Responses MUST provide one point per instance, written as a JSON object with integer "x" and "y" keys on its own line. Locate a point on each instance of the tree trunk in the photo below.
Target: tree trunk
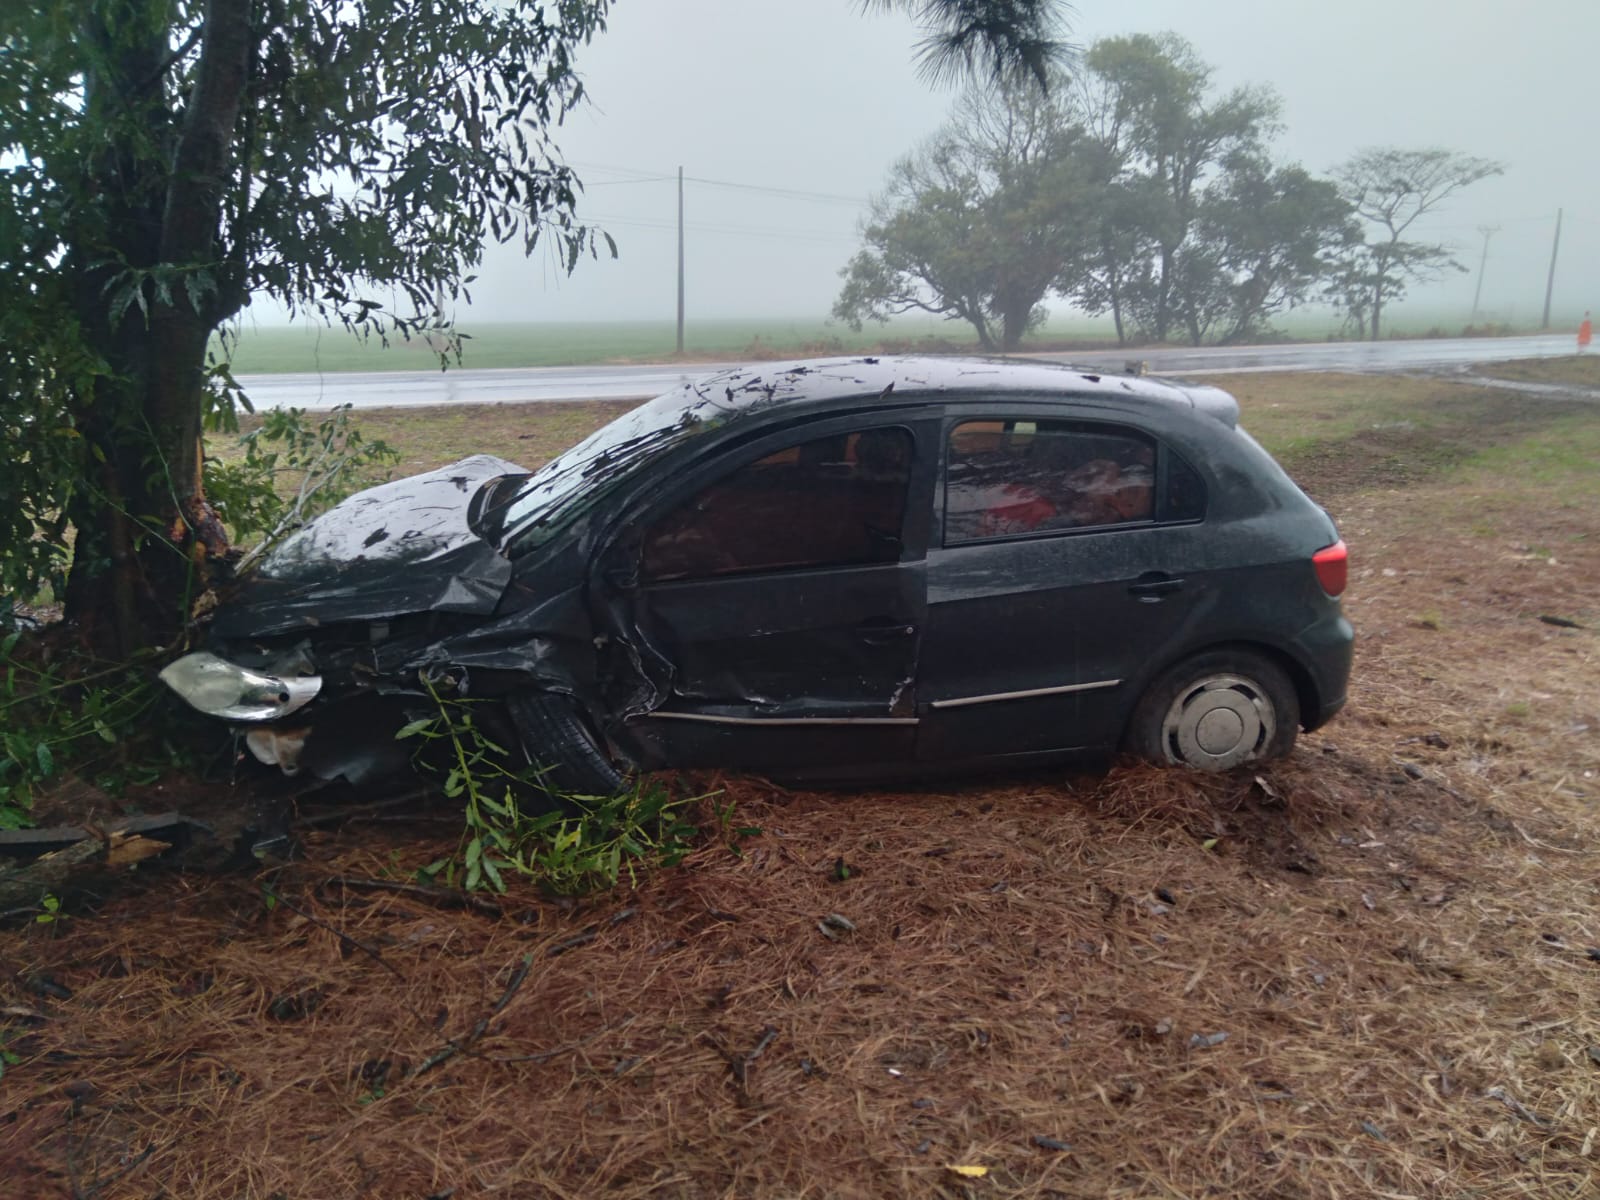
{"x": 1163, "y": 294}
{"x": 1013, "y": 325}
{"x": 144, "y": 531}
{"x": 981, "y": 325}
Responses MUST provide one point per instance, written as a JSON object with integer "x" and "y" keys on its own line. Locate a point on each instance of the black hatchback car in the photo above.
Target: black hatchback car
{"x": 834, "y": 569}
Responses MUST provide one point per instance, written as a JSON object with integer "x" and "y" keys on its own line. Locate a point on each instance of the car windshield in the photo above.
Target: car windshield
{"x": 539, "y": 505}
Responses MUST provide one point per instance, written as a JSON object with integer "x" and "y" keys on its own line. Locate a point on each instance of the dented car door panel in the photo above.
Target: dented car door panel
{"x": 782, "y": 586}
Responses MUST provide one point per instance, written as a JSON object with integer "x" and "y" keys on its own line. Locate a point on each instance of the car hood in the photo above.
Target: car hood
{"x": 402, "y": 547}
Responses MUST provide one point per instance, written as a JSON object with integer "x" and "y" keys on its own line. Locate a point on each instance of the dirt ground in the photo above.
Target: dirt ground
{"x": 1368, "y": 971}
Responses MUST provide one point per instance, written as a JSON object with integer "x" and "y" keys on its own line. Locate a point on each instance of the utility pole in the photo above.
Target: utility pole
{"x": 1488, "y": 232}
{"x": 680, "y": 260}
{"x": 1550, "y": 283}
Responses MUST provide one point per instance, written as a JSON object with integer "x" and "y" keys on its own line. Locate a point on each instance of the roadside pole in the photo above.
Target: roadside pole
{"x": 1488, "y": 232}
{"x": 1550, "y": 282}
{"x": 680, "y": 261}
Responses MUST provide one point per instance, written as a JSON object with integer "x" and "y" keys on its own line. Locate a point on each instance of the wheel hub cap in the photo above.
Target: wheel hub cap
{"x": 1218, "y": 723}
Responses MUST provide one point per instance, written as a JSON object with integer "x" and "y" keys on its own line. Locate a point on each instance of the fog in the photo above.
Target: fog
{"x": 804, "y": 106}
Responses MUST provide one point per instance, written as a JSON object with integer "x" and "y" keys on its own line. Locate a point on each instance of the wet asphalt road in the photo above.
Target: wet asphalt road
{"x": 517, "y": 385}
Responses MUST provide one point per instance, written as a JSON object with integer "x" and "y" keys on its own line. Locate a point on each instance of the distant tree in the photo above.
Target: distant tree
{"x": 1390, "y": 189}
{"x": 1145, "y": 99}
{"x": 1264, "y": 240}
{"x": 1130, "y": 189}
{"x": 997, "y": 39}
{"x": 981, "y": 223}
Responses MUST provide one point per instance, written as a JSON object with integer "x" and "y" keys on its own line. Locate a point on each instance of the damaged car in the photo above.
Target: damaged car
{"x": 830, "y": 570}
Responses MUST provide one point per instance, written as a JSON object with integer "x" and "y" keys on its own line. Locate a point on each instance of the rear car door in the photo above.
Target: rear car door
{"x": 783, "y": 586}
{"x": 1066, "y": 560}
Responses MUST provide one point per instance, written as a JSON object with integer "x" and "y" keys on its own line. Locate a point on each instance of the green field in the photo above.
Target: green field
{"x": 274, "y": 350}
{"x": 270, "y": 350}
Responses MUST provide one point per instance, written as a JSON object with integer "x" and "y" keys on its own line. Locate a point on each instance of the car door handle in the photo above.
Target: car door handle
{"x": 878, "y": 633}
{"x": 1152, "y": 587}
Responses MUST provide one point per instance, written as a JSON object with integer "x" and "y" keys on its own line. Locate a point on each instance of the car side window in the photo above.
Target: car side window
{"x": 833, "y": 501}
{"x": 1008, "y": 477}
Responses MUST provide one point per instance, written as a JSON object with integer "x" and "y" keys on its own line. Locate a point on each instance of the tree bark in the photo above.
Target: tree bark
{"x": 145, "y": 533}
{"x": 1013, "y": 324}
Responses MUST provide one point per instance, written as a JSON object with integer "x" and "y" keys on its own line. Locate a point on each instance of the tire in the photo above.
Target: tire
{"x": 557, "y": 741}
{"x": 1216, "y": 711}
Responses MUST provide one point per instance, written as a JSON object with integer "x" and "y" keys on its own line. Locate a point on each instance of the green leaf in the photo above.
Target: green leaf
{"x": 415, "y": 727}
{"x": 47, "y": 760}
{"x": 492, "y": 870}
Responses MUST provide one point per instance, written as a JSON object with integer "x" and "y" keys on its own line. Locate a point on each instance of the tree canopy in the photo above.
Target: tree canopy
{"x": 1132, "y": 188}
{"x": 169, "y": 159}
{"x": 982, "y": 221}
{"x": 1390, "y": 188}
{"x": 999, "y": 40}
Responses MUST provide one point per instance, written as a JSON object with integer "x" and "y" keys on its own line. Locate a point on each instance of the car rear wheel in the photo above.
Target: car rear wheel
{"x": 1216, "y": 711}
{"x": 559, "y": 744}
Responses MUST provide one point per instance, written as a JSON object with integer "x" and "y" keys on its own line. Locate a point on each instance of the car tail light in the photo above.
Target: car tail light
{"x": 1333, "y": 567}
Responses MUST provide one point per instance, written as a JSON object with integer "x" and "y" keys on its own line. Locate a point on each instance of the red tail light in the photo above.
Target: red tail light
{"x": 1333, "y": 567}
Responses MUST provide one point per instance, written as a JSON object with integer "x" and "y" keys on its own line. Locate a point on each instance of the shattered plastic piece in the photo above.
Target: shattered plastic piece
{"x": 1050, "y": 1143}
{"x": 967, "y": 1172}
{"x": 1204, "y": 1040}
{"x": 842, "y": 923}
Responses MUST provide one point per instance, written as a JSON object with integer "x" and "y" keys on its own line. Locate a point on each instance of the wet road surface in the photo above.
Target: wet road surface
{"x": 519, "y": 385}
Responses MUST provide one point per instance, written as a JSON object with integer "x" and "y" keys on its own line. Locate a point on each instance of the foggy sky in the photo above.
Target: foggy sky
{"x": 812, "y": 96}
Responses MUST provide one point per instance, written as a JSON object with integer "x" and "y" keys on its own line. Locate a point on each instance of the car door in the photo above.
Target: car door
{"x": 1066, "y": 559}
{"x": 782, "y": 586}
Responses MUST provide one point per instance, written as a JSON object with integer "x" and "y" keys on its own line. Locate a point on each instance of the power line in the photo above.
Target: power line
{"x": 667, "y": 225}
{"x": 589, "y": 183}
{"x": 641, "y": 175}
{"x": 786, "y": 193}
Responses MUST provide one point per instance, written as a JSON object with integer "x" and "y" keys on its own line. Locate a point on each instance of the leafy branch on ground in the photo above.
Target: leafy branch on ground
{"x": 67, "y": 711}
{"x": 571, "y": 844}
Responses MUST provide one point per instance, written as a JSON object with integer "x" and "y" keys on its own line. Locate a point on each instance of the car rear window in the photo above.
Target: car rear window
{"x": 1010, "y": 477}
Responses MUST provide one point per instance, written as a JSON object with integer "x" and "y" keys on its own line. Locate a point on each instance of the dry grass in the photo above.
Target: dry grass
{"x": 1392, "y": 928}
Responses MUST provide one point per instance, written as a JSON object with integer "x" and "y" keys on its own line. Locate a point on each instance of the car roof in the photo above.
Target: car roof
{"x": 746, "y": 390}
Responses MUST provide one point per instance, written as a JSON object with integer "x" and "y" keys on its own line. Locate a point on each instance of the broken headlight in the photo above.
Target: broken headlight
{"x": 220, "y": 688}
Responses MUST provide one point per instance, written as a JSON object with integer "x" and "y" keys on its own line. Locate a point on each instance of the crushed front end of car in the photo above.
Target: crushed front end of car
{"x": 313, "y": 658}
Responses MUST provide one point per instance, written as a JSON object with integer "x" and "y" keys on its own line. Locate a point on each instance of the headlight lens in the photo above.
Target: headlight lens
{"x": 220, "y": 688}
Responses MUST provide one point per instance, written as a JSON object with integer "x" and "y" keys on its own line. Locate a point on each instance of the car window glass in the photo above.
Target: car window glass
{"x": 838, "y": 500}
{"x": 1009, "y": 477}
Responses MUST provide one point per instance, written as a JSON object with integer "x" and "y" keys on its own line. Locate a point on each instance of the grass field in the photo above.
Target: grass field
{"x": 266, "y": 349}
{"x": 1368, "y": 971}
{"x": 269, "y": 350}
